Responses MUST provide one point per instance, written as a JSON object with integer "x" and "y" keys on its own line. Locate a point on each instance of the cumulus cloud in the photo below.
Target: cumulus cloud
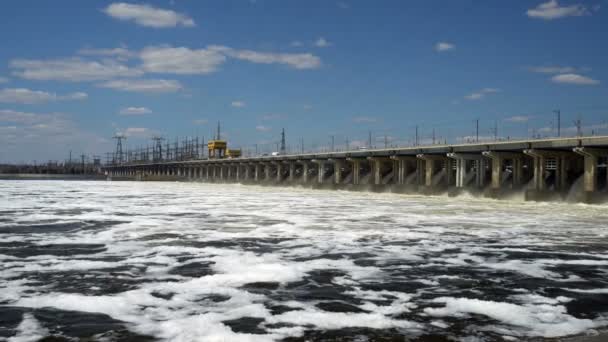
{"x": 551, "y": 10}
{"x": 120, "y": 52}
{"x": 27, "y": 96}
{"x": 141, "y": 132}
{"x": 143, "y": 85}
{"x": 262, "y": 128}
{"x": 134, "y": 111}
{"x": 148, "y": 16}
{"x": 237, "y": 104}
{"x": 444, "y": 46}
{"x": 293, "y": 60}
{"x": 70, "y": 69}
{"x": 181, "y": 60}
{"x": 44, "y": 136}
{"x": 480, "y": 94}
{"x": 27, "y": 124}
{"x": 154, "y": 59}
{"x": 322, "y": 42}
{"x": 574, "y": 79}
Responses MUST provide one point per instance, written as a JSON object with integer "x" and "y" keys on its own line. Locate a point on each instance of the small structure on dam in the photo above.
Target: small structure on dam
{"x": 558, "y": 168}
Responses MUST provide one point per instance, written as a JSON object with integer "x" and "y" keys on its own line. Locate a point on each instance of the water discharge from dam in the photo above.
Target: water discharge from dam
{"x": 190, "y": 261}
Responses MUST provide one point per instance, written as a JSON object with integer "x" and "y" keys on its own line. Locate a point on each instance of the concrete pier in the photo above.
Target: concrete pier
{"x": 543, "y": 169}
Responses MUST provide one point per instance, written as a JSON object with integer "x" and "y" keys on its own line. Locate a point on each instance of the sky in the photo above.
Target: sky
{"x": 73, "y": 73}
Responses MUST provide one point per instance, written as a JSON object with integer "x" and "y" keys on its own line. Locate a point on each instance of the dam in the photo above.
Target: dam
{"x": 573, "y": 168}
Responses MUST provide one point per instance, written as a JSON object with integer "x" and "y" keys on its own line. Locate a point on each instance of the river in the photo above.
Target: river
{"x": 140, "y": 261}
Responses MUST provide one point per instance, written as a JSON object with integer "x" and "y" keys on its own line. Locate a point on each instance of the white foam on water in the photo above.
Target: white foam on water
{"x": 419, "y": 247}
{"x": 600, "y": 291}
{"x": 29, "y": 330}
{"x": 538, "y": 319}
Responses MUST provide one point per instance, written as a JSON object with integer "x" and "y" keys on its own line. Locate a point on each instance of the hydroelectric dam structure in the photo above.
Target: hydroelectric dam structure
{"x": 573, "y": 168}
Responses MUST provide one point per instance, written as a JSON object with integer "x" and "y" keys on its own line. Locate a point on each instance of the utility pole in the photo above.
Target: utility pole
{"x": 559, "y": 121}
{"x": 433, "y": 136}
{"x": 369, "y": 142}
{"x": 283, "y": 141}
{"x": 218, "y": 131}
{"x": 203, "y": 146}
{"x": 477, "y": 130}
{"x": 416, "y": 140}
{"x": 578, "y": 124}
{"x": 495, "y": 130}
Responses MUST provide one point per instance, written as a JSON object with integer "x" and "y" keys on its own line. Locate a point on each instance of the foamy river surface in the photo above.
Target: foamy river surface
{"x": 141, "y": 261}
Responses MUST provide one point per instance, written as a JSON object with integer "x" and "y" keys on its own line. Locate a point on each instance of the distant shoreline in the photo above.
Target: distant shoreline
{"x": 40, "y": 176}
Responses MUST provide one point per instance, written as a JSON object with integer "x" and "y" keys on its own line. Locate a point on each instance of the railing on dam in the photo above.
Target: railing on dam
{"x": 574, "y": 168}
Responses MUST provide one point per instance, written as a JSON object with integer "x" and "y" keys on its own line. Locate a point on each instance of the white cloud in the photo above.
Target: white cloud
{"x": 143, "y": 85}
{"x": 322, "y": 42}
{"x": 552, "y": 10}
{"x": 262, "y": 128}
{"x": 44, "y": 136}
{"x": 444, "y": 46}
{"x": 181, "y": 60}
{"x": 364, "y": 119}
{"x": 8, "y": 115}
{"x": 552, "y": 69}
{"x": 296, "y": 43}
{"x": 134, "y": 111}
{"x": 155, "y": 59}
{"x": 137, "y": 132}
{"x": 3, "y": 80}
{"x": 294, "y": 60}
{"x": 70, "y": 69}
{"x": 145, "y": 15}
{"x": 27, "y": 96}
{"x": 518, "y": 118}
{"x": 478, "y": 95}
{"x": 574, "y": 79}
{"x": 237, "y": 104}
{"x": 121, "y": 53}
{"x": 474, "y": 96}
{"x": 29, "y": 124}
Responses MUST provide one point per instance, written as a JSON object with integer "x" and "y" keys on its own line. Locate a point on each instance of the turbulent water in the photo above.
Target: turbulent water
{"x": 194, "y": 262}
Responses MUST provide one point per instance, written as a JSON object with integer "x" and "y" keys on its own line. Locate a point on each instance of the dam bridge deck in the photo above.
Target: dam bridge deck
{"x": 573, "y": 167}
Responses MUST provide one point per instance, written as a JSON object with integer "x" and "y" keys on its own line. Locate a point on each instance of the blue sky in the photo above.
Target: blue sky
{"x": 74, "y": 73}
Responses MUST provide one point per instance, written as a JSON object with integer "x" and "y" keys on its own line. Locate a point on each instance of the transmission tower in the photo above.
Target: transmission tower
{"x": 157, "y": 152}
{"x": 118, "y": 156}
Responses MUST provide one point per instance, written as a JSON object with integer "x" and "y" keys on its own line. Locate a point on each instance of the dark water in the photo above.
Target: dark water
{"x": 102, "y": 261}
